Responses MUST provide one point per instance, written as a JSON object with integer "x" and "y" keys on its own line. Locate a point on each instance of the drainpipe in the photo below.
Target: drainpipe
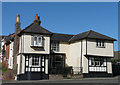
{"x": 21, "y": 55}
{"x": 81, "y": 58}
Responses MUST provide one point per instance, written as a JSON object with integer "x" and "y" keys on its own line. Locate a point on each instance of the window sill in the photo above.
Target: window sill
{"x": 54, "y": 51}
{"x": 36, "y": 66}
{"x": 100, "y": 47}
{"x": 36, "y": 46}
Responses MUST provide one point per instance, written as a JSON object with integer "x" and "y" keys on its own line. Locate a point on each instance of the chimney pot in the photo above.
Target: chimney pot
{"x": 18, "y": 18}
{"x": 36, "y": 17}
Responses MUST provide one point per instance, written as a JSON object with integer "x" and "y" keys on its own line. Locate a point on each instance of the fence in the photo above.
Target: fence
{"x": 66, "y": 70}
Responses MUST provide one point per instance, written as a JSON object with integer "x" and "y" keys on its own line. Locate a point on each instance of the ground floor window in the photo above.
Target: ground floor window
{"x": 97, "y": 64}
{"x": 35, "y": 63}
{"x": 57, "y": 63}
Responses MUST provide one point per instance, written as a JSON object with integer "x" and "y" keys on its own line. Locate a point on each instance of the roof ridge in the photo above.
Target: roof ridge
{"x": 71, "y": 38}
{"x": 34, "y": 24}
{"x": 78, "y": 34}
{"x": 26, "y": 27}
{"x": 64, "y": 34}
{"x": 88, "y": 33}
{"x": 44, "y": 28}
{"x": 103, "y": 35}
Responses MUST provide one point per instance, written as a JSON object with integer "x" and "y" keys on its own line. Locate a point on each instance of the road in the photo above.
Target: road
{"x": 85, "y": 81}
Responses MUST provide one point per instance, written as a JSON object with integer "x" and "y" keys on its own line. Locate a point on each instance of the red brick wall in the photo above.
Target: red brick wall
{"x": 7, "y": 56}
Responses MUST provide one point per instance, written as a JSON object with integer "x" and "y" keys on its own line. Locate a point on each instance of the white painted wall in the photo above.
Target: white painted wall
{"x": 109, "y": 65}
{"x": 10, "y": 62}
{"x": 46, "y": 66}
{"x": 74, "y": 56}
{"x": 26, "y": 45}
{"x": 63, "y": 47}
{"x": 84, "y": 58}
{"x": 93, "y": 50}
{"x": 18, "y": 64}
{"x": 2, "y": 44}
{"x": 21, "y": 66}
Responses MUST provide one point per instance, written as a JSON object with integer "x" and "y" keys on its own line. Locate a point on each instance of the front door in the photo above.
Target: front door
{"x": 35, "y": 66}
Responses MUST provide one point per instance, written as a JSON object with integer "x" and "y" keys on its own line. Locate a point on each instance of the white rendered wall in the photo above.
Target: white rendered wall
{"x": 93, "y": 50}
{"x": 84, "y": 58}
{"x": 10, "y": 62}
{"x": 75, "y": 56}
{"x": 46, "y": 66}
{"x": 109, "y": 65}
{"x": 26, "y": 45}
{"x": 21, "y": 64}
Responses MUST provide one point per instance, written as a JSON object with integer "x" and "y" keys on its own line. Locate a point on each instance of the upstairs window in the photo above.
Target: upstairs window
{"x": 100, "y": 44}
{"x": 55, "y": 46}
{"x": 37, "y": 41}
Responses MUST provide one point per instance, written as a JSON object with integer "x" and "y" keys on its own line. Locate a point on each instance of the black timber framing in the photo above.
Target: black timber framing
{"x": 32, "y": 75}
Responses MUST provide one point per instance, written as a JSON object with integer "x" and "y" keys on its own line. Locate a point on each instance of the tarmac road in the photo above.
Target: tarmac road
{"x": 85, "y": 81}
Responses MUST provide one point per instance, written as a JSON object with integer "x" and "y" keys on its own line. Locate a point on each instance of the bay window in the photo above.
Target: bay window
{"x": 97, "y": 64}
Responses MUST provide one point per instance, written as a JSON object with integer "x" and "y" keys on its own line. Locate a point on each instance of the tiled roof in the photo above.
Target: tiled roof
{"x": 91, "y": 35}
{"x": 61, "y": 37}
{"x": 35, "y": 28}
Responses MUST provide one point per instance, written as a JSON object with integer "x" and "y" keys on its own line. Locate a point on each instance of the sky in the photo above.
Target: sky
{"x": 64, "y": 17}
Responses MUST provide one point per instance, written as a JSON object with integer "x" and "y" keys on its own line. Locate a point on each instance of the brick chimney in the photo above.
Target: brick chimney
{"x": 37, "y": 19}
{"x": 16, "y": 43}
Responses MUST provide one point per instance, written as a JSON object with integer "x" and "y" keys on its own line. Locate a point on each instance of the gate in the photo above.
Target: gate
{"x": 116, "y": 69}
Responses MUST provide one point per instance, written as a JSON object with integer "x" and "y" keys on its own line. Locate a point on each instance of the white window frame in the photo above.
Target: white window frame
{"x": 38, "y": 42}
{"x": 55, "y": 46}
{"x": 30, "y": 61}
{"x": 99, "y": 67}
{"x": 100, "y": 44}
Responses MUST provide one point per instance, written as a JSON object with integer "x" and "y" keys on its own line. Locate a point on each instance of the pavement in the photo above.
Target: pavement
{"x": 84, "y": 81}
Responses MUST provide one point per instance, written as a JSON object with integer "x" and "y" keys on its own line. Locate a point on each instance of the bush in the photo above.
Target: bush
{"x": 114, "y": 61}
{"x": 66, "y": 71}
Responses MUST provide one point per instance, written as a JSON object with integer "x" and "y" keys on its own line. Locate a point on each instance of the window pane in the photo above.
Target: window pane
{"x": 35, "y": 40}
{"x": 100, "y": 43}
{"x": 40, "y": 41}
{"x": 96, "y": 43}
{"x": 98, "y": 63}
{"x": 103, "y": 44}
{"x": 55, "y": 46}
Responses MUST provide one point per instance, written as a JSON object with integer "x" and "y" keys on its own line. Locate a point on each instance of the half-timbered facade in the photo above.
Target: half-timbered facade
{"x": 42, "y": 52}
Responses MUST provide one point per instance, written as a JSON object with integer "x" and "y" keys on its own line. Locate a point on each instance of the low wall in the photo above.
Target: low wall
{"x": 60, "y": 76}
{"x": 55, "y": 76}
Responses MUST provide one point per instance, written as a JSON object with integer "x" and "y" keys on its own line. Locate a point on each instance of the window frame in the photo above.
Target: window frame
{"x": 93, "y": 60}
{"x": 31, "y": 61}
{"x": 100, "y": 44}
{"x": 39, "y": 42}
{"x": 55, "y": 46}
{"x": 57, "y": 63}
{"x": 97, "y": 68}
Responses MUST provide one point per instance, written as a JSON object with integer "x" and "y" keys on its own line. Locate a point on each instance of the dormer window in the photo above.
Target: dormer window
{"x": 100, "y": 44}
{"x": 37, "y": 41}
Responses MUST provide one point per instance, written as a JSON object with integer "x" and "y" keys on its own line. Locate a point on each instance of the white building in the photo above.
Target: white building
{"x": 42, "y": 52}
